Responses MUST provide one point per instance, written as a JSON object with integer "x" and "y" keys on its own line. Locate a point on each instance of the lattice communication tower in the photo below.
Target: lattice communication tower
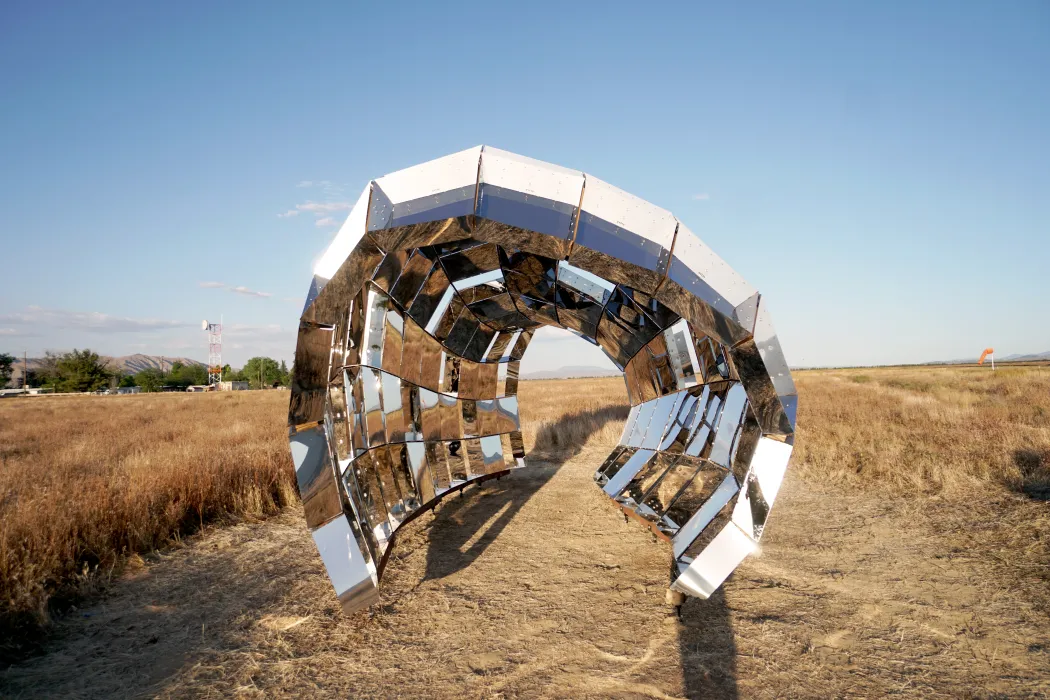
{"x": 214, "y": 351}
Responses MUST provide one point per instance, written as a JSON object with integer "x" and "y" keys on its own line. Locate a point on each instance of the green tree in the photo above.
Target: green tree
{"x": 82, "y": 370}
{"x": 6, "y": 363}
{"x": 186, "y": 375}
{"x": 45, "y": 374}
{"x": 150, "y": 379}
{"x": 199, "y": 373}
{"x": 261, "y": 372}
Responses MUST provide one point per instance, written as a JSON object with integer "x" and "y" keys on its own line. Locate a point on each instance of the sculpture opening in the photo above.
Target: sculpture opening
{"x": 406, "y": 368}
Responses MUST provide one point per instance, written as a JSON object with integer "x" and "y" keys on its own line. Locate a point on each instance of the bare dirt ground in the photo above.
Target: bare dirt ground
{"x": 535, "y": 586}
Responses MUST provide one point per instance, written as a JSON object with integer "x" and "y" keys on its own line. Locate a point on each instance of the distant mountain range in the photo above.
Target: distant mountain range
{"x": 1034, "y": 357}
{"x": 132, "y": 364}
{"x": 1026, "y": 358}
{"x": 125, "y": 364}
{"x": 572, "y": 371}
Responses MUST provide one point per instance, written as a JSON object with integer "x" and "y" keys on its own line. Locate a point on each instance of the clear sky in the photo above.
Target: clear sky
{"x": 880, "y": 171}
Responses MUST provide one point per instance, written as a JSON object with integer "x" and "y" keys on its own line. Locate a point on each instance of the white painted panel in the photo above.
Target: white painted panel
{"x": 350, "y": 234}
{"x": 439, "y": 175}
{"x": 703, "y": 261}
{"x": 531, "y": 176}
{"x": 630, "y": 213}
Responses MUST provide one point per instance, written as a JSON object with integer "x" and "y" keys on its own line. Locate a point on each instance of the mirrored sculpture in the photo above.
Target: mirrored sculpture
{"x": 406, "y": 368}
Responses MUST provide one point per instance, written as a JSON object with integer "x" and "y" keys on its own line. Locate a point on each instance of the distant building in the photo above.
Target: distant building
{"x": 233, "y": 386}
{"x": 32, "y": 391}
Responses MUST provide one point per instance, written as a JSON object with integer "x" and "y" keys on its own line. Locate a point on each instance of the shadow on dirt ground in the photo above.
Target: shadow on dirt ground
{"x": 1035, "y": 473}
{"x": 461, "y": 519}
{"x": 705, "y": 635}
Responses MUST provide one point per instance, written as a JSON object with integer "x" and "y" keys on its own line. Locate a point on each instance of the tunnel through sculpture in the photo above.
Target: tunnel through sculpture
{"x": 406, "y": 367}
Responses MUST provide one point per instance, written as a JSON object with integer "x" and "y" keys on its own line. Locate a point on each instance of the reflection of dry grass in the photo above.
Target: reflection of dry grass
{"x": 927, "y": 430}
{"x": 86, "y": 481}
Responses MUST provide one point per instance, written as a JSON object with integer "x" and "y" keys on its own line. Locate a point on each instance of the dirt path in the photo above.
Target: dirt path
{"x": 535, "y": 586}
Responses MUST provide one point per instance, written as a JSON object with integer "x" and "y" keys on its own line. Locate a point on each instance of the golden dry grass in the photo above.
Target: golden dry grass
{"x": 904, "y": 569}
{"x": 561, "y": 415}
{"x": 956, "y": 431}
{"x": 87, "y": 481}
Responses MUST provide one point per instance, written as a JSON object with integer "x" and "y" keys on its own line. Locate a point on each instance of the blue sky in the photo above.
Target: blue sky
{"x": 880, "y": 172}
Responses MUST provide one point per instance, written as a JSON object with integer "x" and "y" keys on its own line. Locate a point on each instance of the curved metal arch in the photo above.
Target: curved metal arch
{"x": 406, "y": 367}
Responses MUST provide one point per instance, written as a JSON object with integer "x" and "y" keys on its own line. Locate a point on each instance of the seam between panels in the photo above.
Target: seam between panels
{"x": 477, "y": 186}
{"x": 579, "y": 215}
{"x": 670, "y": 259}
{"x": 751, "y": 333}
{"x": 368, "y": 207}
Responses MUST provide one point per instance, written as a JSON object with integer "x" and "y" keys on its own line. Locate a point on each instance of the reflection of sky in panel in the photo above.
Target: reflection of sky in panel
{"x": 393, "y": 317}
{"x": 686, "y": 410}
{"x": 341, "y": 556}
{"x": 679, "y": 350}
{"x": 370, "y": 385}
{"x": 415, "y": 455}
{"x": 510, "y": 347}
{"x": 492, "y": 342}
{"x": 391, "y": 392}
{"x": 634, "y": 465}
{"x": 442, "y": 306}
{"x": 663, "y": 413}
{"x": 374, "y": 322}
{"x": 482, "y": 278}
{"x": 731, "y": 412}
{"x": 508, "y": 405}
{"x": 427, "y": 398}
{"x": 581, "y": 280}
{"x": 641, "y": 424}
{"x": 707, "y": 512}
{"x": 491, "y": 449}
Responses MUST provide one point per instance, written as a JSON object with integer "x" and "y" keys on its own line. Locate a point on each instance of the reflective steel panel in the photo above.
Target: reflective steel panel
{"x": 420, "y": 310}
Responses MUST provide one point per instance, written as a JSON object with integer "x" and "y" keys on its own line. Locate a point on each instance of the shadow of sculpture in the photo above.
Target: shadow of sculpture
{"x": 705, "y": 640}
{"x": 458, "y": 519}
{"x": 707, "y": 648}
{"x": 1035, "y": 473}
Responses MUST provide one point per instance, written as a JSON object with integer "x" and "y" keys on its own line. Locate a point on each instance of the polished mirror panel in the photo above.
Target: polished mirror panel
{"x": 419, "y": 313}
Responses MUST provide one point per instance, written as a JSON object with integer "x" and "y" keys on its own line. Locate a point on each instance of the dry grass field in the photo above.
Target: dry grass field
{"x": 86, "y": 482}
{"x": 909, "y": 554}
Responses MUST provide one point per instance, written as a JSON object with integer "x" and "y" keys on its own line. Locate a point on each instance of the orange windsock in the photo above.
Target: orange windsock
{"x": 986, "y": 353}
